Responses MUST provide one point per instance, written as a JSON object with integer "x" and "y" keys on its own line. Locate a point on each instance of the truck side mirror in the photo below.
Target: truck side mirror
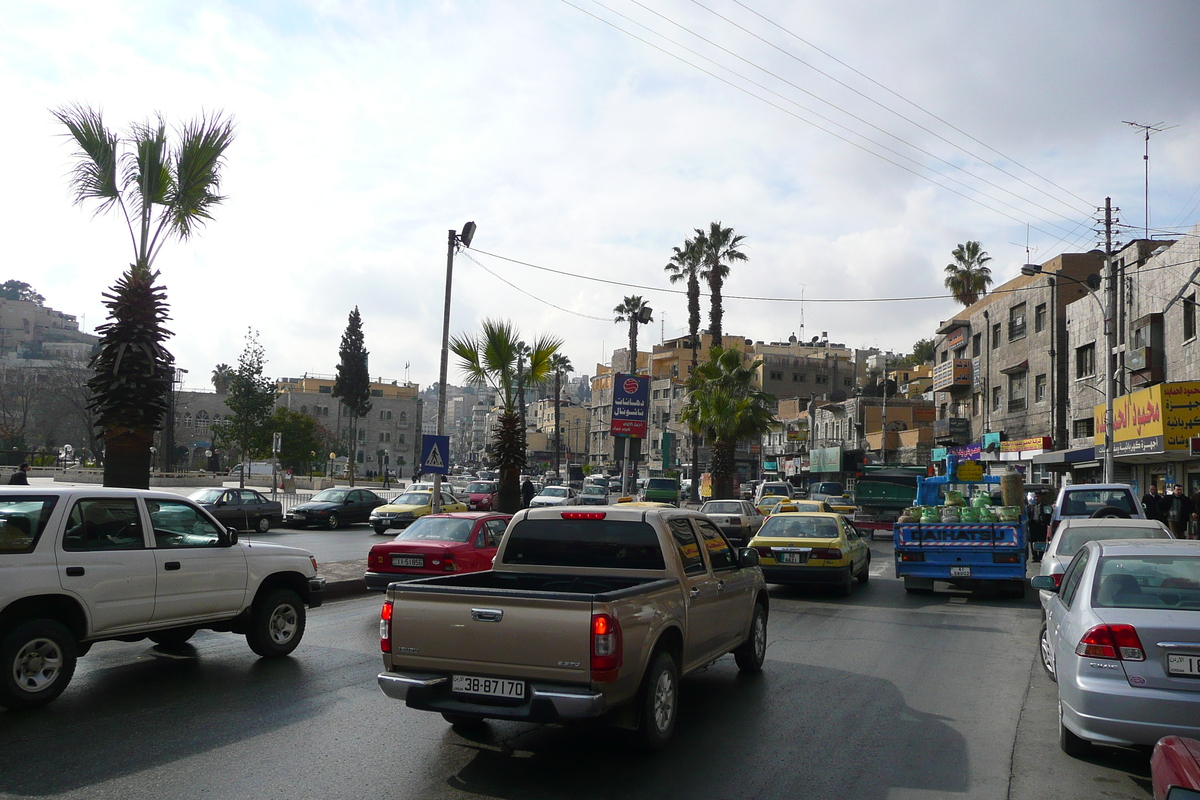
{"x": 231, "y": 536}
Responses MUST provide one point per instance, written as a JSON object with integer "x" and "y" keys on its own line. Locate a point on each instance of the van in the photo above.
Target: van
{"x": 773, "y": 488}
{"x": 257, "y": 469}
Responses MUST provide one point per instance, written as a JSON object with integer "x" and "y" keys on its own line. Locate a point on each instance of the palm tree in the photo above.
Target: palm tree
{"x": 163, "y": 191}
{"x": 724, "y": 406}
{"x": 719, "y": 247}
{"x": 685, "y": 266}
{"x": 967, "y": 278}
{"x": 633, "y": 309}
{"x": 490, "y": 359}
{"x": 561, "y": 366}
{"x": 221, "y": 375}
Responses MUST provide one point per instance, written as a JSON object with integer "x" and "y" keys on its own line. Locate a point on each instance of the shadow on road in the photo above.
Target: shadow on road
{"x": 738, "y": 735}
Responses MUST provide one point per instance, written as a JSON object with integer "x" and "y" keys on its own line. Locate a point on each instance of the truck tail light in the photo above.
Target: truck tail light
{"x": 827, "y": 553}
{"x": 606, "y": 648}
{"x": 1119, "y": 642}
{"x": 1006, "y": 558}
{"x": 912, "y": 556}
{"x": 584, "y": 514}
{"x": 385, "y": 627}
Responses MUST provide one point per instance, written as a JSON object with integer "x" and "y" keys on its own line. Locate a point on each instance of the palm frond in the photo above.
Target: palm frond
{"x": 197, "y": 165}
{"x": 94, "y": 176}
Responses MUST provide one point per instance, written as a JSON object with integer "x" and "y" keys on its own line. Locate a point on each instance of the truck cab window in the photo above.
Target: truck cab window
{"x": 685, "y": 543}
{"x": 720, "y": 554}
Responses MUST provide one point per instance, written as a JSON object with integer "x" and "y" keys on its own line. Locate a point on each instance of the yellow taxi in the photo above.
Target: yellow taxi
{"x": 842, "y": 505}
{"x": 410, "y": 506}
{"x": 807, "y": 547}
{"x": 806, "y": 506}
{"x": 766, "y": 504}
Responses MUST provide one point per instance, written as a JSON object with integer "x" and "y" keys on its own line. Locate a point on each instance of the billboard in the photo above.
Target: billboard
{"x": 631, "y": 403}
{"x": 1153, "y": 420}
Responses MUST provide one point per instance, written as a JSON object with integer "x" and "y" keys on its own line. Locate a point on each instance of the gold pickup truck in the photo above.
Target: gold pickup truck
{"x": 587, "y": 613}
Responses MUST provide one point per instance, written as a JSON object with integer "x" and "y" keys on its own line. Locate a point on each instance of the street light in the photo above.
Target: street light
{"x": 453, "y": 241}
{"x": 1092, "y": 285}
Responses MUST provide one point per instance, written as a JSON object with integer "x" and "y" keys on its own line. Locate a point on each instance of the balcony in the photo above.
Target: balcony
{"x": 954, "y": 373}
{"x": 1016, "y": 404}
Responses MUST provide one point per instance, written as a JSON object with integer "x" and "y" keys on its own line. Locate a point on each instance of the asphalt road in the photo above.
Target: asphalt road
{"x": 882, "y": 695}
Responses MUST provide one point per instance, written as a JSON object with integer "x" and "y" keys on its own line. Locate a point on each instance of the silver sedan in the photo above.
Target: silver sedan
{"x": 1071, "y": 534}
{"x": 739, "y": 520}
{"x": 1122, "y": 638}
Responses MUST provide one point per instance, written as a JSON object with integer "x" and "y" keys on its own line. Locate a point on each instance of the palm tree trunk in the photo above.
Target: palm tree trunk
{"x": 723, "y": 463}
{"x": 127, "y": 457}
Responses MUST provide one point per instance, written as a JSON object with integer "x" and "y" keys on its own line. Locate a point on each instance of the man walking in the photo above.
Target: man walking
{"x": 1178, "y": 509}
{"x": 1152, "y": 502}
{"x": 20, "y": 477}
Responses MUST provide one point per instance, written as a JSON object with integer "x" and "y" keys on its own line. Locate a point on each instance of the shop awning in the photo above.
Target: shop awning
{"x": 1065, "y": 459}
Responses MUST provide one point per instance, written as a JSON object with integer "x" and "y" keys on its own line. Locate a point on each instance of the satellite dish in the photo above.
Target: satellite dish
{"x": 815, "y": 339}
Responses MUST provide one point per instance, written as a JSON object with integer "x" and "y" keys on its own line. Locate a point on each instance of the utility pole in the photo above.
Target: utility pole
{"x": 1110, "y": 341}
{"x": 452, "y": 242}
{"x": 883, "y": 416}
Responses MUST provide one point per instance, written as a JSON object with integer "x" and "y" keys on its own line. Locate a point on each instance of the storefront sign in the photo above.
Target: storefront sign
{"x": 1156, "y": 419}
{"x": 631, "y": 399}
{"x": 825, "y": 459}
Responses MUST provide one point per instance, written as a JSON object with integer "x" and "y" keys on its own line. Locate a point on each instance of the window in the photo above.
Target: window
{"x": 974, "y": 406}
{"x": 303, "y": 409}
{"x": 325, "y": 389}
{"x": 1017, "y": 384}
{"x": 995, "y": 398}
{"x": 1016, "y": 322}
{"x": 685, "y": 543}
{"x": 404, "y": 416}
{"x": 945, "y": 356}
{"x": 776, "y": 376}
{"x": 822, "y": 379}
{"x": 1189, "y": 316}
{"x": 1083, "y": 428}
{"x": 201, "y": 421}
{"x": 1072, "y": 578}
{"x": 495, "y": 531}
{"x": 976, "y": 344}
{"x": 720, "y": 554}
{"x": 1085, "y": 360}
{"x": 180, "y": 525}
{"x": 995, "y": 335}
{"x": 377, "y": 393}
{"x": 362, "y": 435}
{"x": 795, "y": 377}
{"x": 1039, "y": 389}
{"x": 961, "y": 352}
{"x": 801, "y": 377}
{"x": 847, "y": 382}
{"x": 1039, "y": 318}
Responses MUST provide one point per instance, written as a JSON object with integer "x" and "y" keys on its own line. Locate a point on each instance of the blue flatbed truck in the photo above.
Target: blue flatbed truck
{"x": 967, "y": 555}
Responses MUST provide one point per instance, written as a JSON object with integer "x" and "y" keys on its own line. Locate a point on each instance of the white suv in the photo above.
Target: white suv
{"x": 86, "y": 564}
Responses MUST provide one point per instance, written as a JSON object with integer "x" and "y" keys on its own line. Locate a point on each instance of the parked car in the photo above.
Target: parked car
{"x": 1072, "y": 534}
{"x": 410, "y": 506}
{"x": 1175, "y": 769}
{"x": 89, "y": 564}
{"x": 823, "y": 489}
{"x": 244, "y": 509}
{"x": 435, "y": 544}
{"x": 1103, "y": 500}
{"x": 773, "y": 489}
{"x": 593, "y": 495}
{"x": 614, "y": 485}
{"x": 333, "y": 508}
{"x": 739, "y": 520}
{"x": 812, "y": 548}
{"x": 483, "y": 495}
{"x": 1122, "y": 639}
{"x": 554, "y": 496}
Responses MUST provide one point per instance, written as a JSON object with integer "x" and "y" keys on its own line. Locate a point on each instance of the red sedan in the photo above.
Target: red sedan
{"x": 1175, "y": 768}
{"x": 437, "y": 544}
{"x": 483, "y": 495}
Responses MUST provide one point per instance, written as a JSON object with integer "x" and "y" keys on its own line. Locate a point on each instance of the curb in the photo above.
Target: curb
{"x": 336, "y": 590}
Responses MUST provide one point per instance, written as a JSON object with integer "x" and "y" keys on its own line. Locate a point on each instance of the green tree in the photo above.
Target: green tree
{"x": 633, "y": 309}
{"x": 301, "y": 436}
{"x": 20, "y": 290}
{"x": 561, "y": 365}
{"x": 922, "y": 352}
{"x": 719, "y": 247}
{"x": 967, "y": 278}
{"x": 163, "y": 191}
{"x": 251, "y": 398}
{"x": 725, "y": 408}
{"x": 490, "y": 359}
{"x": 353, "y": 382}
{"x": 220, "y": 378}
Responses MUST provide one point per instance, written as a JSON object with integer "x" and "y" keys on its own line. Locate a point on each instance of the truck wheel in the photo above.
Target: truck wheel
{"x": 751, "y": 653}
{"x": 333, "y": 523}
{"x": 660, "y": 702}
{"x": 276, "y": 624}
{"x": 174, "y": 636}
{"x": 38, "y": 660}
{"x": 264, "y": 524}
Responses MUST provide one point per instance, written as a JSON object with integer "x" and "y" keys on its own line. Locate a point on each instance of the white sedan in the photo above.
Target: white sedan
{"x": 555, "y": 496}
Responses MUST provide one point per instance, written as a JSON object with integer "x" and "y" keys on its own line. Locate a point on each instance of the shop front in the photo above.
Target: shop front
{"x": 1153, "y": 430}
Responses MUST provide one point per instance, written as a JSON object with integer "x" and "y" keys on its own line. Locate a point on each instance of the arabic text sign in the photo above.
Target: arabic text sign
{"x": 1164, "y": 416}
{"x": 631, "y": 402}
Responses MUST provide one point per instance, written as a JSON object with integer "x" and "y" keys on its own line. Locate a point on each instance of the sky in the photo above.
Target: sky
{"x": 852, "y": 144}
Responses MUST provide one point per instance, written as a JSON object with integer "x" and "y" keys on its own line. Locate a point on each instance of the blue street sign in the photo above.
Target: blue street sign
{"x": 435, "y": 454}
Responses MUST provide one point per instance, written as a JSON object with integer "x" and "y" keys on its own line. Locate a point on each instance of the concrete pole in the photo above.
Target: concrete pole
{"x": 436, "y": 507}
{"x": 1110, "y": 342}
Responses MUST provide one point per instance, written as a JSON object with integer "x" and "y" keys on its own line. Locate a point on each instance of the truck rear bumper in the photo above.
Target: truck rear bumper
{"x": 545, "y": 702}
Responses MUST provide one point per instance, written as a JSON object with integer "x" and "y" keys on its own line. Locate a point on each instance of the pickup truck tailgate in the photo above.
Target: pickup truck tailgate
{"x": 531, "y": 635}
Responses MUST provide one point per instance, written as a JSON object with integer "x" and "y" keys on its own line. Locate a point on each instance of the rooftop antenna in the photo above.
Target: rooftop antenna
{"x": 1028, "y": 260}
{"x": 802, "y": 288}
{"x": 1157, "y": 128}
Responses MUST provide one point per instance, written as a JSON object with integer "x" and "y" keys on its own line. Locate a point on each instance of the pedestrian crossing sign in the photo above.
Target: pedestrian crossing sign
{"x": 435, "y": 455}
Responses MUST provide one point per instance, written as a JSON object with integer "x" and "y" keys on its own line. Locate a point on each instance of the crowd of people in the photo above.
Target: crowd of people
{"x": 1175, "y": 510}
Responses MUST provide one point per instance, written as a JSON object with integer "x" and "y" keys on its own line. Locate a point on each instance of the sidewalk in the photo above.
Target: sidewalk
{"x": 343, "y": 578}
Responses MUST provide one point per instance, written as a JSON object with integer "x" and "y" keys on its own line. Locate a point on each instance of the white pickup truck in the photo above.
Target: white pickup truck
{"x": 588, "y": 613}
{"x": 82, "y": 565}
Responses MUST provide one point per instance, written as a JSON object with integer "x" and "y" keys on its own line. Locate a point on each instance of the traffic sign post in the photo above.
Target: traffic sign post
{"x": 435, "y": 454}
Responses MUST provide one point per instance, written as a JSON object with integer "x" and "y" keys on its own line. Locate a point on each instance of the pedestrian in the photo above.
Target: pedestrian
{"x": 21, "y": 476}
{"x": 526, "y": 493}
{"x": 1193, "y": 528}
{"x": 1152, "y": 503}
{"x": 1178, "y": 509}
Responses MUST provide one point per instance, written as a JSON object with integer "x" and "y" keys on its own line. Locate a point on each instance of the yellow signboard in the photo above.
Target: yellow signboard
{"x": 1159, "y": 418}
{"x": 970, "y": 471}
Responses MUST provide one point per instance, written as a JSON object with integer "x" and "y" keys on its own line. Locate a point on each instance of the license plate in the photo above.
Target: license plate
{"x": 492, "y": 687}
{"x": 793, "y": 558}
{"x": 1183, "y": 665}
{"x": 960, "y": 572}
{"x": 408, "y": 561}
